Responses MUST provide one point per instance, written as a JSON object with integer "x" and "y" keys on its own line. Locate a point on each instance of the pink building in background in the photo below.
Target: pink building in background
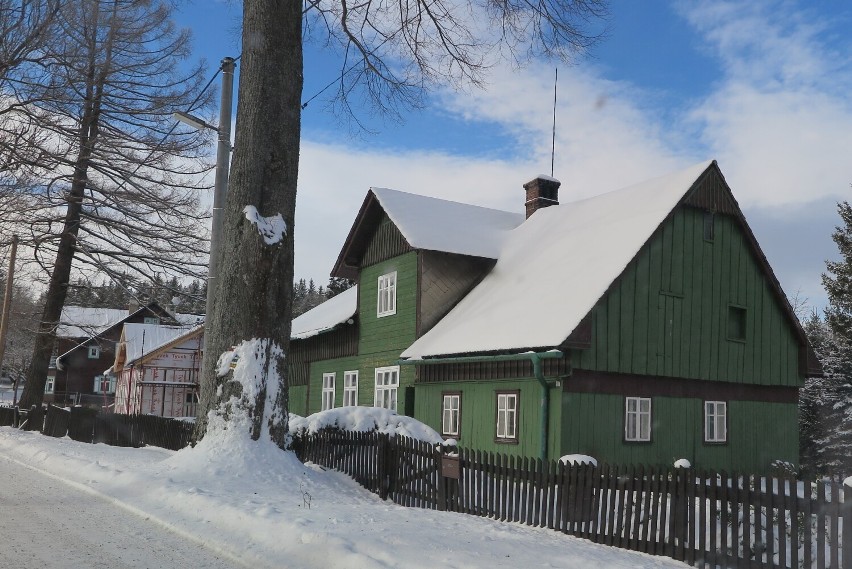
{"x": 156, "y": 370}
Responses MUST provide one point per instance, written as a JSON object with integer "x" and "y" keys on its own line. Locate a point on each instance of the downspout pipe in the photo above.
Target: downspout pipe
{"x": 538, "y": 371}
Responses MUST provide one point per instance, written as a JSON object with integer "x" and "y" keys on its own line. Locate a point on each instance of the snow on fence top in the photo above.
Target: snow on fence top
{"x": 576, "y": 459}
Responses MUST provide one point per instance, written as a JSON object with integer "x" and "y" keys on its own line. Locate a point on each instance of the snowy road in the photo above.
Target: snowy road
{"x": 47, "y": 523}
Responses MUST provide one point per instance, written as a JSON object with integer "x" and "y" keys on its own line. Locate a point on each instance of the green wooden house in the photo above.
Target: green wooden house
{"x": 640, "y": 326}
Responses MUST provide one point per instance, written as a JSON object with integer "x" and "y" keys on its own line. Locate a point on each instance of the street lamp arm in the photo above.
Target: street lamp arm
{"x": 193, "y": 121}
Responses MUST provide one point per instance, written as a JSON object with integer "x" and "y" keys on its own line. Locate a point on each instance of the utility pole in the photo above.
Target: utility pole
{"x": 7, "y": 300}
{"x": 220, "y": 190}
{"x": 223, "y": 165}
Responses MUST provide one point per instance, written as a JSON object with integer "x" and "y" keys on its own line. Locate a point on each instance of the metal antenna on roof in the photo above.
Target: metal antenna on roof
{"x": 553, "y": 141}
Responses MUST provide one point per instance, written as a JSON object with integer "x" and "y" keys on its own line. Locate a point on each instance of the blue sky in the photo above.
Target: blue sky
{"x": 761, "y": 86}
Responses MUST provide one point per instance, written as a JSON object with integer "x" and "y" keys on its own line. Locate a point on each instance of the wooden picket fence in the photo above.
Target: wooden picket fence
{"x": 706, "y": 519}
{"x": 91, "y": 426}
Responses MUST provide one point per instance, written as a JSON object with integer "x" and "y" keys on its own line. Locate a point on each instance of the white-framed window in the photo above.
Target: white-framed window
{"x": 50, "y": 385}
{"x": 104, "y": 384}
{"x": 387, "y": 384}
{"x": 94, "y": 352}
{"x": 386, "y": 303}
{"x": 507, "y": 416}
{"x": 715, "y": 421}
{"x": 150, "y": 320}
{"x": 328, "y": 391}
{"x": 637, "y": 419}
{"x": 350, "y": 388}
{"x": 451, "y": 414}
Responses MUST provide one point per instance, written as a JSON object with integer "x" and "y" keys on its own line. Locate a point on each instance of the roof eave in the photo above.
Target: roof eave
{"x": 355, "y": 242}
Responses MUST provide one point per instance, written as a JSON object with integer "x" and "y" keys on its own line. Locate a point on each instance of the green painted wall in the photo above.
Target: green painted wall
{"x": 478, "y": 414}
{"x": 758, "y": 433}
{"x": 381, "y": 339}
{"x": 298, "y": 399}
{"x": 668, "y": 313}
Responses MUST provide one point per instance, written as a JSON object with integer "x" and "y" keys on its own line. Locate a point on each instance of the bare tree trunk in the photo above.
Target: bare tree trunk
{"x": 139, "y": 204}
{"x": 253, "y": 298}
{"x": 57, "y": 289}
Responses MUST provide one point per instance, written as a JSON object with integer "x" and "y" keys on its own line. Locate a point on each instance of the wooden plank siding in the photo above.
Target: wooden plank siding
{"x": 387, "y": 242}
{"x": 379, "y": 341}
{"x": 444, "y": 280}
{"x": 759, "y": 432}
{"x": 667, "y": 315}
{"x": 337, "y": 343}
{"x": 479, "y": 416}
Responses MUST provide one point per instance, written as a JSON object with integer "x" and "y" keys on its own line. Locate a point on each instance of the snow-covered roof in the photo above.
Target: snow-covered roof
{"x": 336, "y": 310}
{"x": 559, "y": 262}
{"x": 440, "y": 225}
{"x": 189, "y": 319}
{"x": 141, "y": 339}
{"x": 79, "y": 321}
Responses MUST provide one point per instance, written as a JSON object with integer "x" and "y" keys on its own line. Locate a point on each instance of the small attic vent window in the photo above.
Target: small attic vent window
{"x": 737, "y": 323}
{"x": 709, "y": 226}
{"x": 151, "y": 320}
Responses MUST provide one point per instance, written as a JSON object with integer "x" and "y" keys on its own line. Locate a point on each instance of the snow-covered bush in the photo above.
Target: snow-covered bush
{"x": 682, "y": 463}
{"x": 362, "y": 420}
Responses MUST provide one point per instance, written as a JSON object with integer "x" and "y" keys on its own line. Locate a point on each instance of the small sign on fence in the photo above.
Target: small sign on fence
{"x": 450, "y": 467}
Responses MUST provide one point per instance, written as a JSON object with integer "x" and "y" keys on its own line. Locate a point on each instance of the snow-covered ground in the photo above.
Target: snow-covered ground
{"x": 252, "y": 502}
{"x": 45, "y": 523}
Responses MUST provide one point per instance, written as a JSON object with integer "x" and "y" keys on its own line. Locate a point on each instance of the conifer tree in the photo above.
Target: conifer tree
{"x": 826, "y": 402}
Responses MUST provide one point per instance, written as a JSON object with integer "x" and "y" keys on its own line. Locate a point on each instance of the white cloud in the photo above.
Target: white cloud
{"x": 777, "y": 119}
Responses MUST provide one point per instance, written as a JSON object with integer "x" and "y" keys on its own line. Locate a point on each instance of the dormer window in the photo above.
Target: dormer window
{"x": 386, "y": 304}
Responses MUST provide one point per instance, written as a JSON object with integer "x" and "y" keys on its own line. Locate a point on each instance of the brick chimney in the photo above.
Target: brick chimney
{"x": 541, "y": 192}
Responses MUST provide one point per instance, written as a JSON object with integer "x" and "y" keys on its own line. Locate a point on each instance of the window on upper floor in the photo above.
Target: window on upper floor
{"x": 637, "y": 419}
{"x": 387, "y": 385}
{"x": 350, "y": 388}
{"x": 328, "y": 391}
{"x": 507, "y": 416}
{"x": 715, "y": 421}
{"x": 736, "y": 323}
{"x": 386, "y": 303}
{"x": 50, "y": 385}
{"x": 94, "y": 352}
{"x": 151, "y": 320}
{"x": 451, "y": 414}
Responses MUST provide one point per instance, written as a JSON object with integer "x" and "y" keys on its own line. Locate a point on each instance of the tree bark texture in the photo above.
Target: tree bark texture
{"x": 253, "y": 295}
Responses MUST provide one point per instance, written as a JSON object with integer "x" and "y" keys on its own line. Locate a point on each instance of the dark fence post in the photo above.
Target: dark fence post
{"x": 442, "y": 480}
{"x": 383, "y": 470}
{"x": 81, "y": 426}
{"x": 846, "y": 542}
{"x": 35, "y": 418}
